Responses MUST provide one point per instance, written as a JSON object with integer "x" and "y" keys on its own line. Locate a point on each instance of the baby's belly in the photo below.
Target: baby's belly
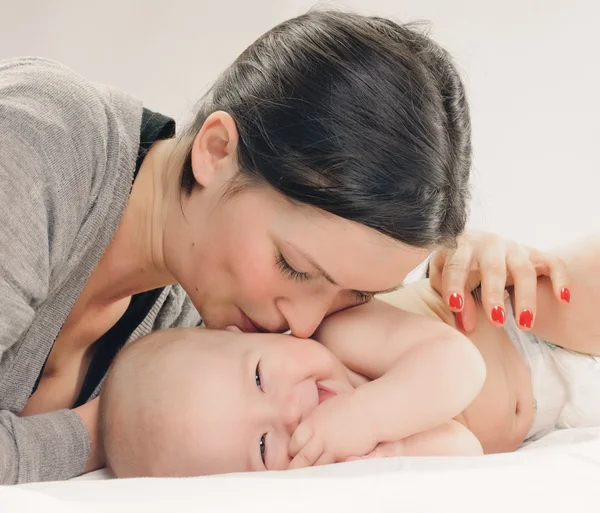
{"x": 503, "y": 412}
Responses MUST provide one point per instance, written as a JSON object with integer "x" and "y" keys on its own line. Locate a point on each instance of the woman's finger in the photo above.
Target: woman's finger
{"x": 467, "y": 319}
{"x": 556, "y": 269}
{"x": 449, "y": 275}
{"x": 524, "y": 278}
{"x": 434, "y": 270}
{"x": 492, "y": 269}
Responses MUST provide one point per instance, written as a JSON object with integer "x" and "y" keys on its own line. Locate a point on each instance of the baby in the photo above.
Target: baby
{"x": 399, "y": 381}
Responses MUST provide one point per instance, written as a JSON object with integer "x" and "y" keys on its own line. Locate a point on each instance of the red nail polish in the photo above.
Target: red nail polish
{"x": 459, "y": 321}
{"x": 455, "y": 301}
{"x": 526, "y": 319}
{"x": 498, "y": 314}
{"x": 565, "y": 295}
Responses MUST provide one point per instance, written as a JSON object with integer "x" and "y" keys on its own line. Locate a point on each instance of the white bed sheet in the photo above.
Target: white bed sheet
{"x": 560, "y": 472}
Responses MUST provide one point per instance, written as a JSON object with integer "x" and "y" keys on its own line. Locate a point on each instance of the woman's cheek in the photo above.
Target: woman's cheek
{"x": 259, "y": 277}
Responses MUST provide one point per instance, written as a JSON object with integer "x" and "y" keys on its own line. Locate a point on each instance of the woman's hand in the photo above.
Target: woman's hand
{"x": 90, "y": 414}
{"x": 486, "y": 259}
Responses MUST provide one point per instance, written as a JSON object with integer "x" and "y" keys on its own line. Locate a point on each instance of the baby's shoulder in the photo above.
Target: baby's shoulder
{"x": 420, "y": 298}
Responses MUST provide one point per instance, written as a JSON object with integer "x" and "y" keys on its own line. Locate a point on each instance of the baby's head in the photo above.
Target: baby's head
{"x": 188, "y": 402}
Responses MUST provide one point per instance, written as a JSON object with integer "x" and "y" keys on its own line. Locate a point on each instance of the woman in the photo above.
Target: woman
{"x": 326, "y": 163}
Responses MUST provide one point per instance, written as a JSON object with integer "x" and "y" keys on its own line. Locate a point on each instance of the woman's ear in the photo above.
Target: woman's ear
{"x": 215, "y": 149}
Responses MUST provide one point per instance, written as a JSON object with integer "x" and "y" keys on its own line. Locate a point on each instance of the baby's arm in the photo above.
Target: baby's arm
{"x": 423, "y": 372}
{"x": 575, "y": 326}
{"x": 448, "y": 439}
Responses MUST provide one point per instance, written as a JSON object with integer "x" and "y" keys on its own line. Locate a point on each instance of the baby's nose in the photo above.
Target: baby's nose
{"x": 291, "y": 414}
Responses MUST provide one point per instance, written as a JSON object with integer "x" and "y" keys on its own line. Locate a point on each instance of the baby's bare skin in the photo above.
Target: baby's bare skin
{"x": 503, "y": 412}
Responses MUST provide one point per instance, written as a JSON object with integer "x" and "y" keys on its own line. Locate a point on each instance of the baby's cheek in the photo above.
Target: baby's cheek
{"x": 282, "y": 461}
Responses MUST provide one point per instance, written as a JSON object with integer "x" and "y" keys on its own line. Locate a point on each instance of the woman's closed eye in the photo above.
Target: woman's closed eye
{"x": 263, "y": 438}
{"x": 361, "y": 297}
{"x": 288, "y": 271}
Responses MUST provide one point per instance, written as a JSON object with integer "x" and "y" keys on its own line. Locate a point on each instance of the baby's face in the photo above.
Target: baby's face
{"x": 248, "y": 394}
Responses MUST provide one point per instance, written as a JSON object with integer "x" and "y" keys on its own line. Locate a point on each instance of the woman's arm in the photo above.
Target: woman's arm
{"x": 46, "y": 182}
{"x": 49, "y": 447}
{"x": 90, "y": 416}
{"x": 577, "y": 325}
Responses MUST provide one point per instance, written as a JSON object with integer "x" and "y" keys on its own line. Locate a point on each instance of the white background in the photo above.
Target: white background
{"x": 532, "y": 70}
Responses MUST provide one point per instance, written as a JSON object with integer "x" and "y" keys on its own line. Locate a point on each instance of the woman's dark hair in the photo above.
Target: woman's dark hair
{"x": 354, "y": 115}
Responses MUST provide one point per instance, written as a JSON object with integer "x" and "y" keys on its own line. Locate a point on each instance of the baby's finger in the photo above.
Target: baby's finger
{"x": 302, "y": 436}
{"x": 386, "y": 450}
{"x": 306, "y": 457}
{"x": 378, "y": 452}
{"x": 326, "y": 458}
{"x": 524, "y": 279}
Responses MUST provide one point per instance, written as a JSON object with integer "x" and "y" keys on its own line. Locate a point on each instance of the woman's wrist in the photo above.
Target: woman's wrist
{"x": 90, "y": 415}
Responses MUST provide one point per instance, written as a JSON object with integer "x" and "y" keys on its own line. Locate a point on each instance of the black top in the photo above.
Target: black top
{"x": 154, "y": 127}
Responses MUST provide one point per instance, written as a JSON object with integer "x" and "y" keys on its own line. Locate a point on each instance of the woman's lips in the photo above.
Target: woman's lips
{"x": 249, "y": 326}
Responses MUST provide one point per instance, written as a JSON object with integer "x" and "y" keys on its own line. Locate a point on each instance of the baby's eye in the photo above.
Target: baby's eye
{"x": 263, "y": 445}
{"x": 257, "y": 377}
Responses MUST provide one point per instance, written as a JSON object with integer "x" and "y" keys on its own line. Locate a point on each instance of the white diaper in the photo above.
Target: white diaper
{"x": 566, "y": 384}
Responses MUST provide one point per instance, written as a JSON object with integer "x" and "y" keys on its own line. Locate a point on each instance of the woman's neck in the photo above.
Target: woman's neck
{"x": 134, "y": 260}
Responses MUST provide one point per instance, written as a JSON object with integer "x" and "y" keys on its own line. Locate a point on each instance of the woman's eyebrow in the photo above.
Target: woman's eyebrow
{"x": 315, "y": 265}
{"x": 331, "y": 280}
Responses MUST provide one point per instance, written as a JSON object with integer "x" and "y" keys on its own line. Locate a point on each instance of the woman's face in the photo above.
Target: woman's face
{"x": 259, "y": 262}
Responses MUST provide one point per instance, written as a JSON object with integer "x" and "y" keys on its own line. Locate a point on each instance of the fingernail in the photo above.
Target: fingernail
{"x": 526, "y": 319}
{"x": 498, "y": 314}
{"x": 565, "y": 295}
{"x": 455, "y": 301}
{"x": 459, "y": 321}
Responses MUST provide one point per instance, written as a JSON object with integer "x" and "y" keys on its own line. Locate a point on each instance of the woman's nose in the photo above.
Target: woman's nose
{"x": 304, "y": 315}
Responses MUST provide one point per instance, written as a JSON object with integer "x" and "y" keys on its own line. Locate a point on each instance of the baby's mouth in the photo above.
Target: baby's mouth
{"x": 324, "y": 393}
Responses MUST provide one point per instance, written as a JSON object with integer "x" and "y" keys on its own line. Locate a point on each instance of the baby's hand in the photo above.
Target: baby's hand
{"x": 335, "y": 430}
{"x": 383, "y": 450}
